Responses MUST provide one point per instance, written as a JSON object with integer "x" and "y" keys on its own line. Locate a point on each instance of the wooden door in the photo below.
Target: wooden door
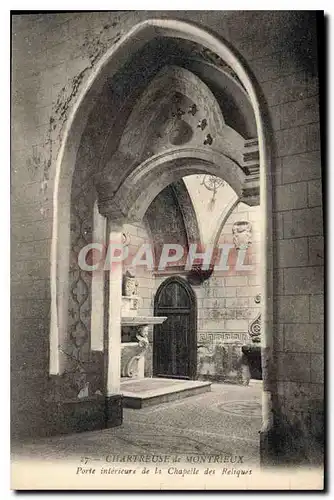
{"x": 175, "y": 340}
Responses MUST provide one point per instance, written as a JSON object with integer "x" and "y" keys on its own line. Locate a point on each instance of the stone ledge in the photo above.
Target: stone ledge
{"x": 137, "y": 396}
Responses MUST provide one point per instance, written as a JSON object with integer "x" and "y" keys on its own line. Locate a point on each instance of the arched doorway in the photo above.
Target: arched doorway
{"x": 123, "y": 181}
{"x": 174, "y": 341}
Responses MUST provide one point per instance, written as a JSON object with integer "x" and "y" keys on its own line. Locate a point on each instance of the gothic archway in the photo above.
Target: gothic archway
{"x": 204, "y": 162}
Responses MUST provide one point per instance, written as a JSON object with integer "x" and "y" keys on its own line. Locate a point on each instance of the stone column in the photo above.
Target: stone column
{"x": 113, "y": 389}
{"x": 97, "y": 310}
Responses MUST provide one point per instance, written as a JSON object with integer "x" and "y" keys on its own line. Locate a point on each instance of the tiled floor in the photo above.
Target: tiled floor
{"x": 226, "y": 420}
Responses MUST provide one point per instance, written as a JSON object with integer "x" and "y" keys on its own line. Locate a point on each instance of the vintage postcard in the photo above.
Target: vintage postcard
{"x": 167, "y": 246}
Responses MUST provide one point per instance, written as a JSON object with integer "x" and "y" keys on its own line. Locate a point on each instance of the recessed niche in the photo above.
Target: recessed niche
{"x": 181, "y": 133}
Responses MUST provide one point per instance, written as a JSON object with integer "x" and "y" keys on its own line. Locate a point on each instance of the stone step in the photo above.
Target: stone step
{"x": 140, "y": 393}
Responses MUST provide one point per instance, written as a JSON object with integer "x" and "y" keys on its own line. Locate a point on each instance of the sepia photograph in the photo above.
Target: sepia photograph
{"x": 167, "y": 250}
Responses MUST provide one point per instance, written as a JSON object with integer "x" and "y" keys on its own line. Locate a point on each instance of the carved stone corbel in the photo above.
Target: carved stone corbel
{"x": 254, "y": 328}
{"x": 242, "y": 234}
{"x": 251, "y": 167}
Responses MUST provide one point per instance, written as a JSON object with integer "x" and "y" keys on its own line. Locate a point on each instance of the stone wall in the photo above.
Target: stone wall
{"x": 227, "y": 301}
{"x": 138, "y": 235}
{"x": 289, "y": 80}
{"x": 53, "y": 54}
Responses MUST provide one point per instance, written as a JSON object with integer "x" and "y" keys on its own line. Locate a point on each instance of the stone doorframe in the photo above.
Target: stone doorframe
{"x": 62, "y": 171}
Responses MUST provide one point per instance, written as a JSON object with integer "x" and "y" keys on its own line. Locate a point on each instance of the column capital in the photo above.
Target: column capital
{"x": 109, "y": 208}
{"x": 116, "y": 226}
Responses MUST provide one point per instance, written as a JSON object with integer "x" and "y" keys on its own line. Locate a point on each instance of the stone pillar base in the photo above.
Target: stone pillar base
{"x": 268, "y": 448}
{"x": 289, "y": 446}
{"x": 77, "y": 416}
{"x": 96, "y": 413}
{"x": 113, "y": 411}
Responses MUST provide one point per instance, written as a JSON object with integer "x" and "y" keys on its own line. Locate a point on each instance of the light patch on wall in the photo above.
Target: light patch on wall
{"x": 209, "y": 213}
